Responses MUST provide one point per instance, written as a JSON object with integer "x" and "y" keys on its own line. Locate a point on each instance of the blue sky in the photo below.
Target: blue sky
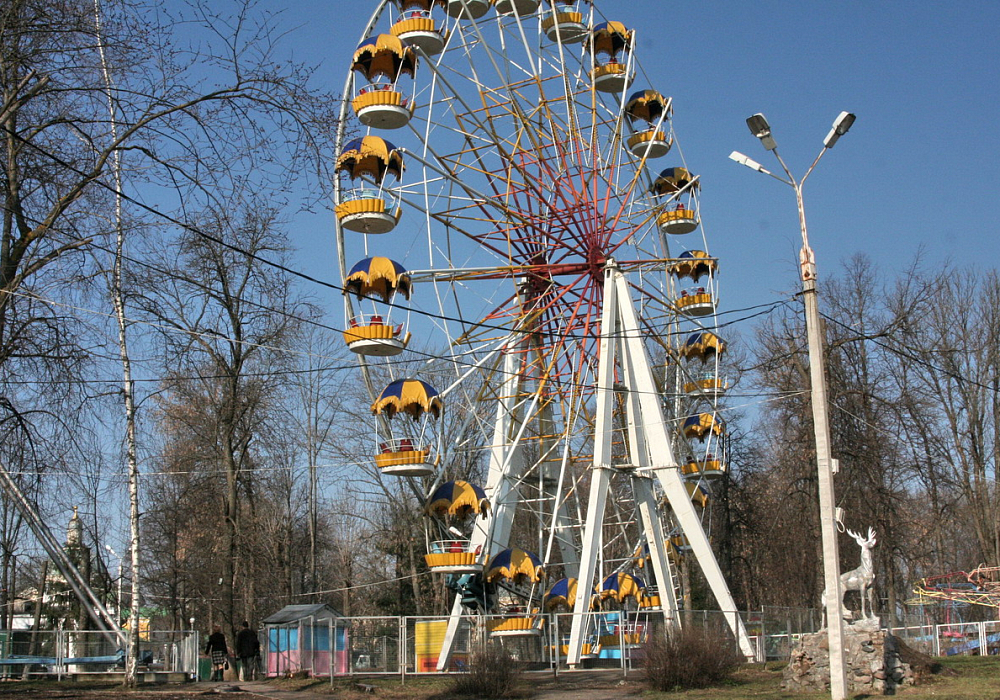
{"x": 916, "y": 171}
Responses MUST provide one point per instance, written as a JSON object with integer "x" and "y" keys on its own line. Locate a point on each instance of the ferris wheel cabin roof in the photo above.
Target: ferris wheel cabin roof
{"x": 513, "y": 564}
{"x": 386, "y": 55}
{"x": 673, "y": 180}
{"x": 693, "y": 264}
{"x": 372, "y": 155}
{"x": 459, "y": 498}
{"x": 410, "y": 396}
{"x": 622, "y": 585}
{"x": 702, "y": 344}
{"x": 609, "y": 38}
{"x": 377, "y": 277}
{"x": 647, "y": 105}
{"x": 562, "y": 592}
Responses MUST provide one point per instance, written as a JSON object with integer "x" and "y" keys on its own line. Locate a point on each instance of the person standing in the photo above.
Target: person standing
{"x": 219, "y": 651}
{"x": 247, "y": 648}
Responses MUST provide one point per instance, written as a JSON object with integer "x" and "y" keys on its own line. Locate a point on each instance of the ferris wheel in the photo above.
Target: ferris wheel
{"x": 510, "y": 193}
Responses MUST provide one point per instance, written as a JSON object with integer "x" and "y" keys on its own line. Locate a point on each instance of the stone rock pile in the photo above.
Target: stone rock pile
{"x": 874, "y": 660}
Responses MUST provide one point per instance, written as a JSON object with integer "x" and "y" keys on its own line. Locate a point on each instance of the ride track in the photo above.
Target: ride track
{"x": 981, "y": 586}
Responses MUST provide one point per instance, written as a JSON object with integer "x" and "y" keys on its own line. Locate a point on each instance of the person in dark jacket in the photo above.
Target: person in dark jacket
{"x": 248, "y": 649}
{"x": 219, "y": 651}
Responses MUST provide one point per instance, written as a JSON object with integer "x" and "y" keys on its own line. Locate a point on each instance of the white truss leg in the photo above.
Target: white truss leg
{"x": 506, "y": 465}
{"x": 667, "y": 469}
{"x": 659, "y": 563}
{"x": 601, "y": 476}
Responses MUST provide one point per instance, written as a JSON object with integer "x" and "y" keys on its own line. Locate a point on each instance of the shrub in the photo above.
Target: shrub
{"x": 689, "y": 658}
{"x": 492, "y": 674}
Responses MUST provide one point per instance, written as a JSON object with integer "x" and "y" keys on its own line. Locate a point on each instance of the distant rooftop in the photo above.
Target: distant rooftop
{"x": 294, "y": 613}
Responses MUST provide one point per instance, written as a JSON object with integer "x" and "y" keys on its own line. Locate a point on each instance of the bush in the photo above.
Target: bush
{"x": 689, "y": 658}
{"x": 492, "y": 674}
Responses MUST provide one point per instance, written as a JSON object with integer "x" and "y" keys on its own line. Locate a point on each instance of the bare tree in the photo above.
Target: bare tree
{"x": 226, "y": 321}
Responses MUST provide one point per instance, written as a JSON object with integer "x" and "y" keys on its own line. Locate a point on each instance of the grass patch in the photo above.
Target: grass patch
{"x": 976, "y": 678}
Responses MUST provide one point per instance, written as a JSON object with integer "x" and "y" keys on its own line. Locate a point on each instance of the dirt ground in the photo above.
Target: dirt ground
{"x": 582, "y": 685}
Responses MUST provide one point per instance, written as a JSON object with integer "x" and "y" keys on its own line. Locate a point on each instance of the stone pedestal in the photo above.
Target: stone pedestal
{"x": 872, "y": 657}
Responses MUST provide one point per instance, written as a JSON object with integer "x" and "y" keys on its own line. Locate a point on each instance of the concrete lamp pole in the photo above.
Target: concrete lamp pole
{"x": 118, "y": 602}
{"x": 817, "y": 379}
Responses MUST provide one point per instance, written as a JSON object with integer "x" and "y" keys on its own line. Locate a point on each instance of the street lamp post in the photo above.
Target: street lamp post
{"x": 817, "y": 379}
{"x": 118, "y": 602}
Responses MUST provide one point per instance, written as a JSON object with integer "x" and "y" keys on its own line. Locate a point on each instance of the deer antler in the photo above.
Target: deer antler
{"x": 871, "y": 536}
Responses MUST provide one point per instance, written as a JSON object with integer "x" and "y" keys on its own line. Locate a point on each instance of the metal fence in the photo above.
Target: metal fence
{"x": 87, "y": 652}
{"x": 411, "y": 645}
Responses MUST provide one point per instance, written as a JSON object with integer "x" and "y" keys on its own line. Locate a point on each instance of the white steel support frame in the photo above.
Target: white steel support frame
{"x": 611, "y": 335}
{"x": 651, "y": 451}
{"x": 507, "y": 466}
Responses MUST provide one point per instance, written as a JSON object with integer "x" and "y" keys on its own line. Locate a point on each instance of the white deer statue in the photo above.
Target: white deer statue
{"x": 859, "y": 579}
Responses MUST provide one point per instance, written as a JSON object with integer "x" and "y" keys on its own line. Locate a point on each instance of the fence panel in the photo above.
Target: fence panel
{"x": 919, "y": 637}
{"x": 169, "y": 651}
{"x": 92, "y": 651}
{"x": 370, "y": 644}
{"x": 425, "y": 636}
{"x": 958, "y": 638}
{"x": 29, "y": 653}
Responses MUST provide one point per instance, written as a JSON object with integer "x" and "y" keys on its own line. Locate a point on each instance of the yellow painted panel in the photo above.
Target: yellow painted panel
{"x": 391, "y": 459}
{"x": 360, "y": 206}
{"x": 414, "y": 24}
{"x": 691, "y": 299}
{"x": 377, "y": 97}
{"x": 562, "y": 18}
{"x": 375, "y": 332}
{"x": 450, "y": 559}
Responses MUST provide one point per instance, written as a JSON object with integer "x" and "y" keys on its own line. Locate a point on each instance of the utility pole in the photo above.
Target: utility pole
{"x": 833, "y": 595}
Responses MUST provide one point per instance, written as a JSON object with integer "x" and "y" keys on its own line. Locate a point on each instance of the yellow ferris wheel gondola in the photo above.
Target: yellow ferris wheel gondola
{"x": 704, "y": 346}
{"x": 652, "y": 107}
{"x": 417, "y": 399}
{"x": 565, "y": 24}
{"x": 605, "y": 42}
{"x": 381, "y": 60}
{"x": 677, "y": 182}
{"x": 369, "y": 209}
{"x": 371, "y": 335}
{"x": 416, "y": 27}
{"x": 694, "y": 264}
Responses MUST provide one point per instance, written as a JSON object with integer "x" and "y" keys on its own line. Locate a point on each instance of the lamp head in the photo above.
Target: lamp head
{"x": 762, "y": 130}
{"x": 747, "y": 161}
{"x": 841, "y": 125}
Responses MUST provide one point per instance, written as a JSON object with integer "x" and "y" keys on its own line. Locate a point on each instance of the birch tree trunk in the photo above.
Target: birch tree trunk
{"x": 128, "y": 386}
